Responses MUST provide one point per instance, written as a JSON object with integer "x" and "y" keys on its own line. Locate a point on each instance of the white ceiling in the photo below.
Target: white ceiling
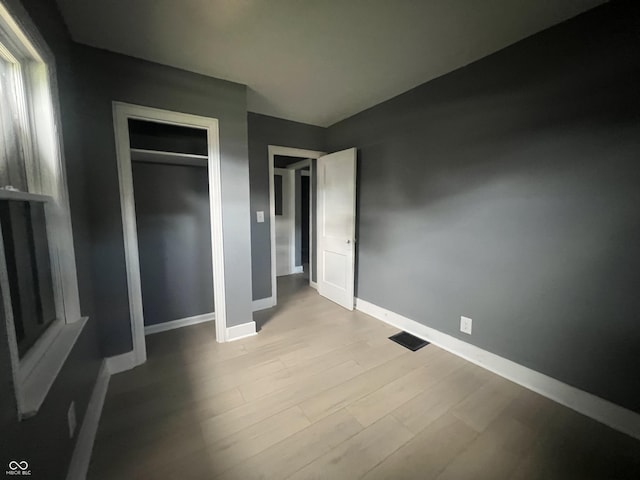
{"x": 314, "y": 61}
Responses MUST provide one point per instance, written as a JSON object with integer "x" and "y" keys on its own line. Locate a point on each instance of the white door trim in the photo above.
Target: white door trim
{"x": 179, "y": 323}
{"x": 274, "y": 150}
{"x": 122, "y": 112}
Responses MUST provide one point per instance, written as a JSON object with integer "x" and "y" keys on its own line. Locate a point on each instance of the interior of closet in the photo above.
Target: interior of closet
{"x": 171, "y": 194}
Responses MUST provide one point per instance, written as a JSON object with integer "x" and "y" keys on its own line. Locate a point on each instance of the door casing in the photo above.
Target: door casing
{"x": 274, "y": 150}
{"x": 122, "y": 112}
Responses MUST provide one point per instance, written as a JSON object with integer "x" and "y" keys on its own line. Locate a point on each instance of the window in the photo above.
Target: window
{"x": 37, "y": 264}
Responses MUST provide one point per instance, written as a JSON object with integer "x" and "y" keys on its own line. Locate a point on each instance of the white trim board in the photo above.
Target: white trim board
{"x": 243, "y": 330}
{"x": 79, "y": 465}
{"x": 606, "y": 412}
{"x": 36, "y": 385}
{"x": 122, "y": 112}
{"x": 260, "y": 304}
{"x": 181, "y": 322}
{"x": 263, "y": 303}
{"x": 126, "y": 361}
{"x": 121, "y": 363}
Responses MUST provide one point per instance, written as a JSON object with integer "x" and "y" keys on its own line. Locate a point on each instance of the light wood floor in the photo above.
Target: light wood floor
{"x": 322, "y": 393}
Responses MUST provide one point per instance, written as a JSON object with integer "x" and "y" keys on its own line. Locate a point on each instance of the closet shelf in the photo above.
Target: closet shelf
{"x": 173, "y": 158}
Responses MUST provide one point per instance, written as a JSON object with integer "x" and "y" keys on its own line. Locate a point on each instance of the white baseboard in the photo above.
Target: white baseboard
{"x": 182, "y": 322}
{"x": 121, "y": 363}
{"x": 313, "y": 284}
{"x": 263, "y": 303}
{"x": 241, "y": 331}
{"x": 291, "y": 271}
{"x": 79, "y": 465}
{"x": 588, "y": 404}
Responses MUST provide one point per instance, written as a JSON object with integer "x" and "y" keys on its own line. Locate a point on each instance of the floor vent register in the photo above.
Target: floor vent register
{"x": 409, "y": 341}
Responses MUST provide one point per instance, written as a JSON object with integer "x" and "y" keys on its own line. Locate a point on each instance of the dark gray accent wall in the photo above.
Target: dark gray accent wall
{"x": 281, "y": 161}
{"x": 508, "y": 191}
{"x": 107, "y": 77}
{"x": 171, "y": 138}
{"x": 174, "y": 240}
{"x": 265, "y": 131}
{"x": 304, "y": 219}
{"x": 43, "y": 440}
{"x": 297, "y": 229}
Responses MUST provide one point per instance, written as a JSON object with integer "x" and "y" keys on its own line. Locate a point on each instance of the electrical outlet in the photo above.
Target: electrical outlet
{"x": 465, "y": 325}
{"x": 71, "y": 419}
{"x": 260, "y": 217}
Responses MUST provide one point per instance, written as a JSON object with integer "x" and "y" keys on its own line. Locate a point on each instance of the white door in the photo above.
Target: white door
{"x": 337, "y": 226}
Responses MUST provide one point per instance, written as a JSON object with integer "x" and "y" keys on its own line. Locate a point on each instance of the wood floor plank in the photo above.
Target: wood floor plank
{"x": 439, "y": 398}
{"x": 189, "y": 388}
{"x": 300, "y": 449}
{"x": 494, "y": 454}
{"x": 382, "y": 401}
{"x": 301, "y": 371}
{"x": 255, "y": 411}
{"x": 428, "y": 453}
{"x": 148, "y": 419}
{"x": 571, "y": 446}
{"x": 341, "y": 396}
{"x": 227, "y": 449}
{"x": 396, "y": 393}
{"x": 134, "y": 460}
{"x": 480, "y": 408}
{"x": 359, "y": 454}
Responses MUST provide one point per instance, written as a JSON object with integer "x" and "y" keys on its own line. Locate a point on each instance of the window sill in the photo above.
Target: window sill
{"x": 23, "y": 196}
{"x": 37, "y": 377}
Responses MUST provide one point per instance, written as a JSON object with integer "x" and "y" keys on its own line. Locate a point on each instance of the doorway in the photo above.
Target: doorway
{"x": 292, "y": 218}
{"x": 171, "y": 193}
{"x": 292, "y": 197}
{"x": 162, "y": 172}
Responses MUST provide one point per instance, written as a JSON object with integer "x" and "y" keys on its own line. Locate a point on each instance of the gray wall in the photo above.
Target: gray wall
{"x": 302, "y": 217}
{"x": 174, "y": 240}
{"x": 508, "y": 191}
{"x": 44, "y": 440}
{"x": 298, "y": 219}
{"x": 265, "y": 131}
{"x": 305, "y": 186}
{"x": 107, "y": 77}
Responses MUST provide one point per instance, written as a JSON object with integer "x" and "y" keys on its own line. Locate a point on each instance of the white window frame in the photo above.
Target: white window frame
{"x": 36, "y": 371}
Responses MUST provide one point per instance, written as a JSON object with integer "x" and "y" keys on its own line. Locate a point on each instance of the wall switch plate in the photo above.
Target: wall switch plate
{"x": 465, "y": 325}
{"x": 260, "y": 217}
{"x": 71, "y": 419}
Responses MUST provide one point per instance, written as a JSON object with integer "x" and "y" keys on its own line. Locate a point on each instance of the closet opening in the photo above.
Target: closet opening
{"x": 171, "y": 203}
{"x": 171, "y": 195}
